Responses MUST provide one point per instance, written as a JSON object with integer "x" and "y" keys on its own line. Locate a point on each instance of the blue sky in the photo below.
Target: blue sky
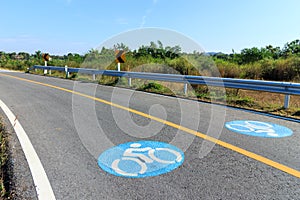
{"x": 63, "y": 26}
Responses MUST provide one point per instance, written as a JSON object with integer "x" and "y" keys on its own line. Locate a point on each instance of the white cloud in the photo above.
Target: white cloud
{"x": 143, "y": 21}
{"x": 148, "y": 12}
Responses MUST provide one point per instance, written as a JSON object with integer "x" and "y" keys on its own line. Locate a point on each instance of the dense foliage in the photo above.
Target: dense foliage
{"x": 268, "y": 63}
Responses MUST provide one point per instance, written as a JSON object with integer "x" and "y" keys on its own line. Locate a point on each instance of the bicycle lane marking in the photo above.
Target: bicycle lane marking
{"x": 40, "y": 179}
{"x": 244, "y": 152}
{"x": 141, "y": 159}
{"x": 258, "y": 129}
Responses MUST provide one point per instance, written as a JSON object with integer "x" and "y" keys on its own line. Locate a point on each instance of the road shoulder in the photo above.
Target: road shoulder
{"x": 21, "y": 184}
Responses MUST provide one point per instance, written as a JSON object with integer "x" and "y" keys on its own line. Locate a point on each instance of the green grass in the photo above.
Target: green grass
{"x": 3, "y": 160}
{"x": 155, "y": 88}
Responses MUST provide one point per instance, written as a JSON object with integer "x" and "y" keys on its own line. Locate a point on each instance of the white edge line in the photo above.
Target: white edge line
{"x": 40, "y": 179}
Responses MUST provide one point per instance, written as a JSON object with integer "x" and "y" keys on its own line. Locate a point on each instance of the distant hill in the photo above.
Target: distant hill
{"x": 212, "y": 53}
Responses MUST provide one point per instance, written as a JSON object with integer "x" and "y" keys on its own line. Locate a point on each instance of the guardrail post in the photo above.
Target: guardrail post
{"x": 286, "y": 101}
{"x": 94, "y": 77}
{"x": 67, "y": 72}
{"x": 129, "y": 81}
{"x": 185, "y": 88}
{"x": 50, "y": 71}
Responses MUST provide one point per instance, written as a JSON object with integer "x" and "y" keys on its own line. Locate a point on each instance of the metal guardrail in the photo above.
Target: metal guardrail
{"x": 286, "y": 88}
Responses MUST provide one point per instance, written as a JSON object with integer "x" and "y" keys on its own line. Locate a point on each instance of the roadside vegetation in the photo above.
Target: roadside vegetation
{"x": 266, "y": 63}
{"x": 4, "y": 193}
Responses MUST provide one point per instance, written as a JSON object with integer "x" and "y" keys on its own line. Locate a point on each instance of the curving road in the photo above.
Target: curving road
{"x": 71, "y": 123}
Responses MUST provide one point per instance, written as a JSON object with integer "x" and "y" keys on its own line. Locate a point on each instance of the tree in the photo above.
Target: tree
{"x": 121, "y": 46}
{"x": 221, "y": 56}
{"x": 24, "y": 55}
{"x": 291, "y": 48}
{"x": 12, "y": 55}
{"x": 160, "y": 44}
{"x": 173, "y": 52}
{"x": 93, "y": 54}
{"x": 274, "y": 51}
{"x": 250, "y": 55}
{"x": 38, "y": 54}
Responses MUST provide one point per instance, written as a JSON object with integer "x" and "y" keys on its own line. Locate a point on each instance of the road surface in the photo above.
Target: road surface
{"x": 71, "y": 123}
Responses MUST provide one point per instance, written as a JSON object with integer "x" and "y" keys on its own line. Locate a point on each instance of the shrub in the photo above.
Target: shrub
{"x": 228, "y": 69}
{"x": 156, "y": 88}
{"x": 251, "y": 71}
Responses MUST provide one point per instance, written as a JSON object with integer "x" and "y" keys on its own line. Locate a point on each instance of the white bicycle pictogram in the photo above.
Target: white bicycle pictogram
{"x": 135, "y": 154}
{"x": 254, "y": 126}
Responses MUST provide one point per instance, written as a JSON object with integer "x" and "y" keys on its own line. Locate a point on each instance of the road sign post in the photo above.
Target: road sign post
{"x": 120, "y": 58}
{"x": 119, "y": 66}
{"x": 45, "y": 70}
{"x": 46, "y": 58}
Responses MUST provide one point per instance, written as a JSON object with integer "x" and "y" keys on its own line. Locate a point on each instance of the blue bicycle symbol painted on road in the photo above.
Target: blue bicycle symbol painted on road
{"x": 260, "y": 129}
{"x": 141, "y": 159}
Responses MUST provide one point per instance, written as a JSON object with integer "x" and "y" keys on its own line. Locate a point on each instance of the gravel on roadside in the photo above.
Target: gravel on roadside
{"x": 17, "y": 176}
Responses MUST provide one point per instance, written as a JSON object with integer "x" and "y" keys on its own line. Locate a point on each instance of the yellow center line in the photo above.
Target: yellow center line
{"x": 247, "y": 153}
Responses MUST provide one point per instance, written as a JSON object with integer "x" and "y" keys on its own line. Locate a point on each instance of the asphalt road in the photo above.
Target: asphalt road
{"x": 70, "y": 130}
